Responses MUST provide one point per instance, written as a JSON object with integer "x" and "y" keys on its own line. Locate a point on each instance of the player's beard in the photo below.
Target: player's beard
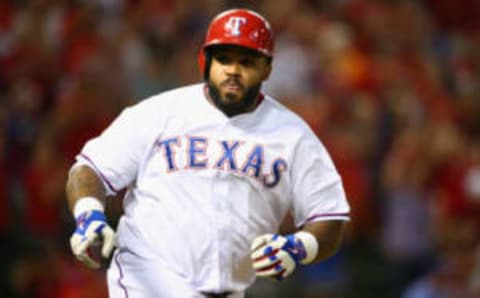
{"x": 239, "y": 107}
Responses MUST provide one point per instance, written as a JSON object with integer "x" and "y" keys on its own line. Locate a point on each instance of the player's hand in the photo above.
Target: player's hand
{"x": 92, "y": 231}
{"x": 277, "y": 256}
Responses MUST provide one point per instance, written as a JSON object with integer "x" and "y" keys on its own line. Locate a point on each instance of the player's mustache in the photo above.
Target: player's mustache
{"x": 232, "y": 81}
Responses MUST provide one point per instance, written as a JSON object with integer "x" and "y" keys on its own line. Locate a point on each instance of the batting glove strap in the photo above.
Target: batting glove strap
{"x": 306, "y": 245}
{"x": 85, "y": 220}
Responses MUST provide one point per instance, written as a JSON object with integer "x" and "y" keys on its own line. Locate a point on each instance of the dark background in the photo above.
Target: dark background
{"x": 392, "y": 88}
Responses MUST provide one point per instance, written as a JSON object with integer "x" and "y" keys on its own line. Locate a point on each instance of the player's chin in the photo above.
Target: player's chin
{"x": 232, "y": 98}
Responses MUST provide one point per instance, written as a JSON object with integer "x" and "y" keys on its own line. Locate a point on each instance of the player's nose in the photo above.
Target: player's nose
{"x": 232, "y": 69}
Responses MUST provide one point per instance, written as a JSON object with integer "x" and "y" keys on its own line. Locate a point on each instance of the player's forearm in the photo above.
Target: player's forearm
{"x": 83, "y": 182}
{"x": 329, "y": 236}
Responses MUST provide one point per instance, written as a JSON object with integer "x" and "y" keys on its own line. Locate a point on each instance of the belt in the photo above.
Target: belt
{"x": 216, "y": 295}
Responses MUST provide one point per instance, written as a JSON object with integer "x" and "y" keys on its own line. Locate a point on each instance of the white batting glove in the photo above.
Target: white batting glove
{"x": 92, "y": 231}
{"x": 277, "y": 256}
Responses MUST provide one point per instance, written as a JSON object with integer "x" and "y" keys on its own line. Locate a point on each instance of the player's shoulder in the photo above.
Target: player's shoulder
{"x": 283, "y": 116}
{"x": 294, "y": 126}
{"x": 159, "y": 106}
{"x": 164, "y": 103}
{"x": 176, "y": 96}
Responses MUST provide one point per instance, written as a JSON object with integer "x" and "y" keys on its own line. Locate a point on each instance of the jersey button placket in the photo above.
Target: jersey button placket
{"x": 224, "y": 196}
{"x": 221, "y": 197}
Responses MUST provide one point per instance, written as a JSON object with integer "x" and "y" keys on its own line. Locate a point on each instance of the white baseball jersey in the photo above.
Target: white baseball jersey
{"x": 201, "y": 186}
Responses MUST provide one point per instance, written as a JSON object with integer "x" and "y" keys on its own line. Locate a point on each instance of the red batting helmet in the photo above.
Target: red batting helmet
{"x": 240, "y": 27}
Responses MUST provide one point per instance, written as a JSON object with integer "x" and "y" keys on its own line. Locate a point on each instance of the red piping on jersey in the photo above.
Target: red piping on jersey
{"x": 99, "y": 172}
{"x": 120, "y": 278}
{"x": 315, "y": 216}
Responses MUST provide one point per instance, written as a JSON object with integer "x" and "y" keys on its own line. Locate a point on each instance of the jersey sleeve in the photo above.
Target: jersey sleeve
{"x": 318, "y": 192}
{"x": 116, "y": 153}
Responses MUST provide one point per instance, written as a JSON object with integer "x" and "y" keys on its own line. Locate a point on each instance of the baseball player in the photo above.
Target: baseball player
{"x": 210, "y": 170}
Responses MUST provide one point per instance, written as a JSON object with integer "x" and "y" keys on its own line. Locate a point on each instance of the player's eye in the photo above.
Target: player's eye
{"x": 223, "y": 59}
{"x": 247, "y": 62}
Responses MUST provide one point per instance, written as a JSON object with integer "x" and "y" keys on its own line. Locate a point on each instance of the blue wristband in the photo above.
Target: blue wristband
{"x": 85, "y": 219}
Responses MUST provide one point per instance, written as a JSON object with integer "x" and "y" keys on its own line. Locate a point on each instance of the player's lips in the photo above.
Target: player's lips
{"x": 232, "y": 85}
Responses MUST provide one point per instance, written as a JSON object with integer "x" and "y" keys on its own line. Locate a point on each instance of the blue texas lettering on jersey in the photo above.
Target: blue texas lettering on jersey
{"x": 253, "y": 165}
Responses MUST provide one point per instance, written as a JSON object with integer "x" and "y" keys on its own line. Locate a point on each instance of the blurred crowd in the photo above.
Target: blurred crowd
{"x": 391, "y": 87}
